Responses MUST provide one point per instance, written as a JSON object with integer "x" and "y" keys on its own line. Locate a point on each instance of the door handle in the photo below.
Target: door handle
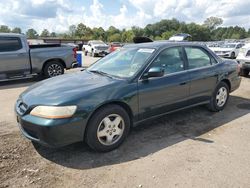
{"x": 183, "y": 83}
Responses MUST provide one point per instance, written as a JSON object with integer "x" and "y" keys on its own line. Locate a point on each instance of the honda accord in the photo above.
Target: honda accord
{"x": 124, "y": 89}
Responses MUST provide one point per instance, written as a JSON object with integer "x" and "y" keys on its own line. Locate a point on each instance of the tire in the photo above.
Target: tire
{"x": 103, "y": 134}
{"x": 219, "y": 98}
{"x": 93, "y": 54}
{"x": 233, "y": 55}
{"x": 52, "y": 69}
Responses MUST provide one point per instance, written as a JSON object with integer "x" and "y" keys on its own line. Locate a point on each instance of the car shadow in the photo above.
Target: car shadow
{"x": 151, "y": 137}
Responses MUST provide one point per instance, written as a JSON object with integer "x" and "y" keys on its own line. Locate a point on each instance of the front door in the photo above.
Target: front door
{"x": 169, "y": 92}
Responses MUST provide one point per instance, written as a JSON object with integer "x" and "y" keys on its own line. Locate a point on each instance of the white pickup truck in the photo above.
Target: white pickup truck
{"x": 19, "y": 60}
{"x": 244, "y": 59}
{"x": 96, "y": 48}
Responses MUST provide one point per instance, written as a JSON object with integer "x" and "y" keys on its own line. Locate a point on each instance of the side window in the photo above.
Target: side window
{"x": 197, "y": 58}
{"x": 170, "y": 60}
{"x": 8, "y": 44}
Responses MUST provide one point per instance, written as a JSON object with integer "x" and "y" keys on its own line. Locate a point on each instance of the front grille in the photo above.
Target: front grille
{"x": 21, "y": 107}
{"x": 102, "y": 48}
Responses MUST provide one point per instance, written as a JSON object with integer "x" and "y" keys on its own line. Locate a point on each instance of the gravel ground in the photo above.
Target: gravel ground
{"x": 191, "y": 148}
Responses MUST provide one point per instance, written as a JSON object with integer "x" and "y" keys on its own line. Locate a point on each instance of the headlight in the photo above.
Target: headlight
{"x": 54, "y": 112}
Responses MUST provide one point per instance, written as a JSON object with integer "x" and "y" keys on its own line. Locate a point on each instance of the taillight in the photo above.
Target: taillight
{"x": 238, "y": 68}
{"x": 75, "y": 50}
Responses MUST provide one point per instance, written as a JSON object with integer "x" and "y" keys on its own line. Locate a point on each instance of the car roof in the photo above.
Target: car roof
{"x": 11, "y": 35}
{"x": 163, "y": 44}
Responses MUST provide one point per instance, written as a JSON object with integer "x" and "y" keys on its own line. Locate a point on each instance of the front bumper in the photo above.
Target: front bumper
{"x": 52, "y": 132}
{"x": 224, "y": 54}
{"x": 101, "y": 52}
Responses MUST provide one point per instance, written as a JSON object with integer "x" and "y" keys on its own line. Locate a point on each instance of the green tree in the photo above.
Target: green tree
{"x": 213, "y": 22}
{"x": 128, "y": 36}
{"x": 31, "y": 34}
{"x": 72, "y": 31}
{"x": 138, "y": 32}
{"x": 99, "y": 34}
{"x": 84, "y": 32}
{"x": 45, "y": 33}
{"x": 4, "y": 29}
{"x": 115, "y": 38}
{"x": 53, "y": 34}
{"x": 16, "y": 30}
{"x": 167, "y": 34}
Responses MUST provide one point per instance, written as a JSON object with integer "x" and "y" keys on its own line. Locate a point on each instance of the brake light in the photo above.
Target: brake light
{"x": 75, "y": 54}
{"x": 238, "y": 68}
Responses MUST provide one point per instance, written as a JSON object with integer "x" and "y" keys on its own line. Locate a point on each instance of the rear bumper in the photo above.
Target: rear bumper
{"x": 235, "y": 83}
{"x": 51, "y": 133}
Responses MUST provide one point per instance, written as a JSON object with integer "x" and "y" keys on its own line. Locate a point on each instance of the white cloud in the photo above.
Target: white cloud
{"x": 58, "y": 15}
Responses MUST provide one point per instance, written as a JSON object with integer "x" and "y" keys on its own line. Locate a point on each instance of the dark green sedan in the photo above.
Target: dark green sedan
{"x": 134, "y": 84}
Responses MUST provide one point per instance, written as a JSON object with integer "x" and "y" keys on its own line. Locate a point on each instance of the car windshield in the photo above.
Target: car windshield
{"x": 228, "y": 45}
{"x": 123, "y": 63}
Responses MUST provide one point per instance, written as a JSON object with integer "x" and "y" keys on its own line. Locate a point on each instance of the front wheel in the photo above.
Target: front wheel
{"x": 108, "y": 128}
{"x": 53, "y": 69}
{"x": 233, "y": 55}
{"x": 219, "y": 98}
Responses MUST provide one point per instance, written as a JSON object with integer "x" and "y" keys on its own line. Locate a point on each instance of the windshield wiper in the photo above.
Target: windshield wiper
{"x": 101, "y": 73}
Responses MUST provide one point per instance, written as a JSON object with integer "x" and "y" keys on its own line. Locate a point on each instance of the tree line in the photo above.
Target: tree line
{"x": 210, "y": 30}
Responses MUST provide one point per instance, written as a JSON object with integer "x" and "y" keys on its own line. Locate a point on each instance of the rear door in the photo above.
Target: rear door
{"x": 14, "y": 58}
{"x": 203, "y": 74}
{"x": 170, "y": 92}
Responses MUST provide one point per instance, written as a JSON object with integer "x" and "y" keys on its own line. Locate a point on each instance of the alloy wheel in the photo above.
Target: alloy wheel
{"x": 221, "y": 97}
{"x": 111, "y": 129}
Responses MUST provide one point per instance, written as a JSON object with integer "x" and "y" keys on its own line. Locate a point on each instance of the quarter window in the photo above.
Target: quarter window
{"x": 170, "y": 60}
{"x": 8, "y": 44}
{"x": 197, "y": 58}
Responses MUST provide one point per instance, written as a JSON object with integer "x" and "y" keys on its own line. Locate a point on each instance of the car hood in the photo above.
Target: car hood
{"x": 100, "y": 45}
{"x": 66, "y": 88}
{"x": 225, "y": 49}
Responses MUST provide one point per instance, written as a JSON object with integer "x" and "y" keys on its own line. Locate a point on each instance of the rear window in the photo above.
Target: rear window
{"x": 8, "y": 44}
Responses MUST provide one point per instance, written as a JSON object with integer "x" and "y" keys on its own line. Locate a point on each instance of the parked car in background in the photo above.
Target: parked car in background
{"x": 19, "y": 60}
{"x": 228, "y": 50}
{"x": 127, "y": 87}
{"x": 96, "y": 48}
{"x": 114, "y": 46}
{"x": 244, "y": 59}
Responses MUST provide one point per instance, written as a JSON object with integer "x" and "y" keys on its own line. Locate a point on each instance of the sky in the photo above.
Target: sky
{"x": 58, "y": 15}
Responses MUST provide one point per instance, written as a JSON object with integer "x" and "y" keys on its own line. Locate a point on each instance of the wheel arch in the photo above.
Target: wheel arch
{"x": 122, "y": 104}
{"x": 52, "y": 60}
{"x": 226, "y": 81}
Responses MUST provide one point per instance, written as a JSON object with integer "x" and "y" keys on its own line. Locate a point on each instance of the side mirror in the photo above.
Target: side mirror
{"x": 154, "y": 72}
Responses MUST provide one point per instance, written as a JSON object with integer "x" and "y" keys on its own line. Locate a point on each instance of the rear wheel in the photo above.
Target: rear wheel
{"x": 93, "y": 54}
{"x": 52, "y": 69}
{"x": 108, "y": 128}
{"x": 219, "y": 98}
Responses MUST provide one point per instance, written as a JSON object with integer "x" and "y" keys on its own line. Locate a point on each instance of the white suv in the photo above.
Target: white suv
{"x": 96, "y": 47}
{"x": 244, "y": 59}
{"x": 229, "y": 50}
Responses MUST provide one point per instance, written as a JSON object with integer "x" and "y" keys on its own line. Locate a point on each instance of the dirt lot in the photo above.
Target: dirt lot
{"x": 191, "y": 148}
